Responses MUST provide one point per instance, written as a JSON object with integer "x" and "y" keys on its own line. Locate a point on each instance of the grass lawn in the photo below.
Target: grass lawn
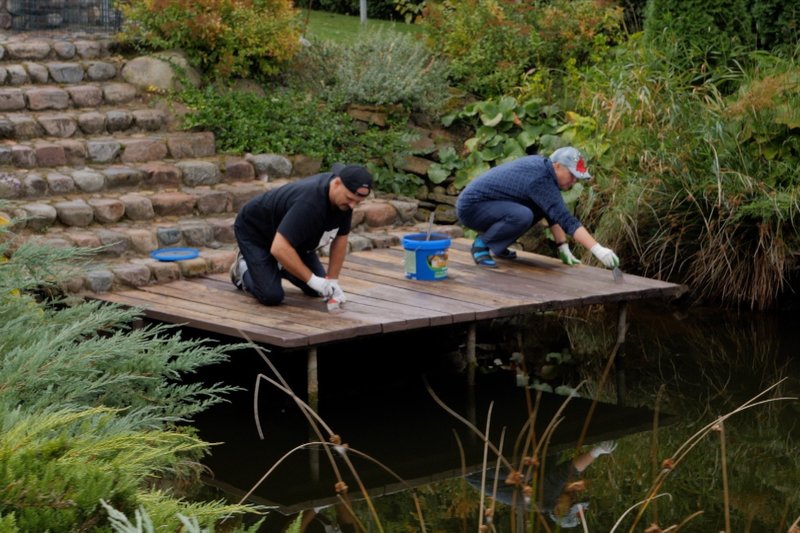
{"x": 343, "y": 28}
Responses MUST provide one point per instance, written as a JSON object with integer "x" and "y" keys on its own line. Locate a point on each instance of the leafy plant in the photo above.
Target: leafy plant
{"x": 488, "y": 43}
{"x": 224, "y": 37}
{"x": 288, "y": 121}
{"x": 505, "y": 129}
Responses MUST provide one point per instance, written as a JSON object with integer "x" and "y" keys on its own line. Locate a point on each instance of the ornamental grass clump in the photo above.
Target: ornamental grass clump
{"x": 381, "y": 67}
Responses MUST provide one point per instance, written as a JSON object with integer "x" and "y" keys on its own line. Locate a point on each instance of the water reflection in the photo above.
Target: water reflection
{"x": 700, "y": 365}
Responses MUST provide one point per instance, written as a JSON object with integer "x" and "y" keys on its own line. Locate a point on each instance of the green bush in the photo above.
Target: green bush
{"x": 289, "y": 121}
{"x": 489, "y": 44}
{"x": 776, "y": 23}
{"x": 380, "y": 67}
{"x": 695, "y": 32}
{"x": 89, "y": 406}
{"x": 224, "y": 37}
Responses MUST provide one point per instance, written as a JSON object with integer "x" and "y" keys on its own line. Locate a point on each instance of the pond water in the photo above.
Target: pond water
{"x": 689, "y": 366}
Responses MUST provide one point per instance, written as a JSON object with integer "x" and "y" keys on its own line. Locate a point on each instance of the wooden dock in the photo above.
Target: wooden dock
{"x": 382, "y": 300}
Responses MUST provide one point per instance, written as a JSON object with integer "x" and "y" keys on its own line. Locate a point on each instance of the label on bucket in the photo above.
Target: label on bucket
{"x": 411, "y": 263}
{"x": 437, "y": 262}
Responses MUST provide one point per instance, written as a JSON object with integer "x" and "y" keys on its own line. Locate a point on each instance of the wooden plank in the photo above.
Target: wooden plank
{"x": 299, "y": 308}
{"x": 391, "y": 317}
{"x": 163, "y": 311}
{"x": 205, "y": 300}
{"x": 468, "y": 285}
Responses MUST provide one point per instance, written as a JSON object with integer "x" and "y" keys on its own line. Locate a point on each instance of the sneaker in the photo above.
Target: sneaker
{"x": 507, "y": 254}
{"x": 238, "y": 268}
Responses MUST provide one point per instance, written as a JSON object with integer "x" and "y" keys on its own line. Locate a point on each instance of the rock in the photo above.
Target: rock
{"x": 157, "y": 72}
{"x": 271, "y": 165}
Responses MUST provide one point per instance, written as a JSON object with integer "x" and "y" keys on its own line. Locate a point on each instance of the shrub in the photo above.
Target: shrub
{"x": 696, "y": 32}
{"x": 89, "y": 407}
{"x": 380, "y": 67}
{"x": 288, "y": 121}
{"x": 224, "y": 37}
{"x": 488, "y": 43}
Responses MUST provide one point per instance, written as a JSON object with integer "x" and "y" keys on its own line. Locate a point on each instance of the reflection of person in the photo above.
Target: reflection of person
{"x": 507, "y": 200}
{"x": 558, "y": 497}
{"x": 312, "y": 521}
{"x": 280, "y": 231}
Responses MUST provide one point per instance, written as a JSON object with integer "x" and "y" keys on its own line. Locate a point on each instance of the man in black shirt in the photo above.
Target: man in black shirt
{"x": 280, "y": 231}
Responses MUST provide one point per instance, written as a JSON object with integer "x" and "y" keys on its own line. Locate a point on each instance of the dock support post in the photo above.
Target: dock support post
{"x": 312, "y": 380}
{"x": 619, "y": 362}
{"x": 472, "y": 360}
{"x": 312, "y": 389}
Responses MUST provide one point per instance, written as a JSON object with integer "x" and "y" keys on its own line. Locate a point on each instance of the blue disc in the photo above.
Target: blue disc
{"x": 174, "y": 254}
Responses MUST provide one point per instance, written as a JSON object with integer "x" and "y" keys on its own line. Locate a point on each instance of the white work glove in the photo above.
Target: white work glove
{"x": 566, "y": 255}
{"x": 338, "y": 293}
{"x": 322, "y": 285}
{"x": 605, "y": 256}
{"x": 603, "y": 448}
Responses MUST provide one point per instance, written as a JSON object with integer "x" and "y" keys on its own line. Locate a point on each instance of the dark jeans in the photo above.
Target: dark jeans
{"x": 500, "y": 223}
{"x": 263, "y": 276}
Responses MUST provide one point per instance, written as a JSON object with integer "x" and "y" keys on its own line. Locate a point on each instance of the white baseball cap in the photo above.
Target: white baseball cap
{"x": 572, "y": 159}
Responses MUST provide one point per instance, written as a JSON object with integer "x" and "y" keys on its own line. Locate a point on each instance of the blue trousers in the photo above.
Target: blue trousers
{"x": 263, "y": 276}
{"x": 498, "y": 222}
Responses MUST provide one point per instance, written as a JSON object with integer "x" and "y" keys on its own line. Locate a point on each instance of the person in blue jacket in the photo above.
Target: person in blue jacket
{"x": 507, "y": 200}
{"x": 280, "y": 231}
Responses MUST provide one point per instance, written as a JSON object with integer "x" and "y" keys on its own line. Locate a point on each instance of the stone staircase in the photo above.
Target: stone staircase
{"x": 88, "y": 160}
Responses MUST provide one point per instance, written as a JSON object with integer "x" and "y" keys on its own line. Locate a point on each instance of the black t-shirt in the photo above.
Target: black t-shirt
{"x": 301, "y": 211}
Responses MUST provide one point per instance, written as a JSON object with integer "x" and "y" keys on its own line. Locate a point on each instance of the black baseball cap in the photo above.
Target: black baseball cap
{"x": 354, "y": 177}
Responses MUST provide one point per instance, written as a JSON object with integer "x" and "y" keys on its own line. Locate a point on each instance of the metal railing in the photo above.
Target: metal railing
{"x": 87, "y": 15}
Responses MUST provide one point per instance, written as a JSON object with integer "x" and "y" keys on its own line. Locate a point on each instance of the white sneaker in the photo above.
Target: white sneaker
{"x": 238, "y": 268}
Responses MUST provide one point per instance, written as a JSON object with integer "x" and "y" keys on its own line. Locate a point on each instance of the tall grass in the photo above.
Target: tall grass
{"x": 701, "y": 188}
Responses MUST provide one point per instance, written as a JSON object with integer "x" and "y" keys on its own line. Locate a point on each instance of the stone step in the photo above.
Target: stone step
{"x": 52, "y": 97}
{"x": 124, "y": 273}
{"x": 132, "y": 239}
{"x": 82, "y": 210}
{"x": 124, "y": 260}
{"x": 135, "y": 148}
{"x": 39, "y": 184}
{"x": 169, "y": 174}
{"x": 77, "y": 123}
{"x": 59, "y": 72}
{"x": 24, "y": 47}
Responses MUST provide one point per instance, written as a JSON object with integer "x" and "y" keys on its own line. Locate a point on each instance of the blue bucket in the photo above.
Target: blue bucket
{"x": 426, "y": 259}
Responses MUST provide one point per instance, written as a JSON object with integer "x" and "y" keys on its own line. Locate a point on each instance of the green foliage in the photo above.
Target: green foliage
{"x": 388, "y": 178}
{"x": 776, "y": 23}
{"x": 505, "y": 129}
{"x": 694, "y": 32}
{"x": 699, "y": 187}
{"x": 88, "y": 406}
{"x": 224, "y": 37}
{"x": 287, "y": 122}
{"x": 488, "y": 43}
{"x": 411, "y": 10}
{"x": 582, "y": 31}
{"x": 382, "y": 67}
{"x": 494, "y": 46}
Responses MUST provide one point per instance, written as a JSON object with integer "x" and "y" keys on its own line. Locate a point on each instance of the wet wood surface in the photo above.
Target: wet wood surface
{"x": 380, "y": 299}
